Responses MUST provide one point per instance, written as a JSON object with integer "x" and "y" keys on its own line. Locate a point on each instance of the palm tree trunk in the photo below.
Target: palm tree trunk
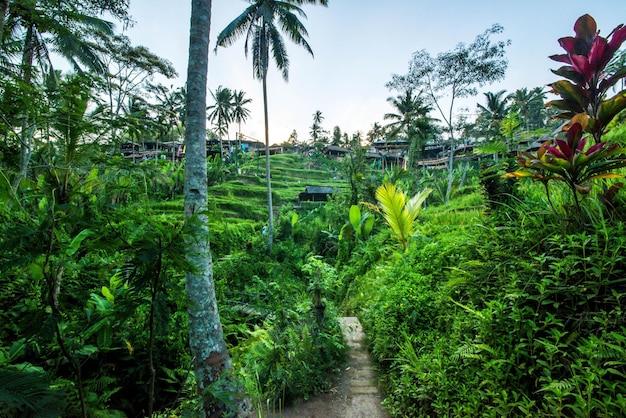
{"x": 4, "y": 7}
{"x": 268, "y": 177}
{"x": 26, "y": 135}
{"x": 206, "y": 341}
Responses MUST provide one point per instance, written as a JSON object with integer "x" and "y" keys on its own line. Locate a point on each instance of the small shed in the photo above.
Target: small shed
{"x": 315, "y": 194}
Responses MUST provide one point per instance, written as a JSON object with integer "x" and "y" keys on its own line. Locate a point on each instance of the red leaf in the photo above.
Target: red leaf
{"x": 581, "y": 65}
{"x": 594, "y": 148}
{"x": 619, "y": 35}
{"x": 568, "y": 44}
{"x": 568, "y": 72}
{"x": 600, "y": 54}
{"x": 581, "y": 144}
{"x": 565, "y": 148}
{"x": 555, "y": 152}
{"x": 574, "y": 133}
{"x": 586, "y": 28}
{"x": 561, "y": 58}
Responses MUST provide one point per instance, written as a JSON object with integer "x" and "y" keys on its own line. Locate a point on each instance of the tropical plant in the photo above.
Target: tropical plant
{"x": 359, "y": 224}
{"x": 584, "y": 105}
{"x": 318, "y": 134}
{"x": 411, "y": 122}
{"x": 399, "y": 213}
{"x": 262, "y": 23}
{"x": 529, "y": 105}
{"x": 572, "y": 162}
{"x": 493, "y": 113}
{"x": 240, "y": 113}
{"x": 588, "y": 76}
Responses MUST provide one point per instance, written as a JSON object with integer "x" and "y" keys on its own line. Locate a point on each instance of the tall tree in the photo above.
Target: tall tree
{"x": 529, "y": 104}
{"x": 208, "y": 349}
{"x": 411, "y": 122}
{"x": 455, "y": 74}
{"x": 376, "y": 133}
{"x": 4, "y": 7}
{"x": 240, "y": 114}
{"x": 221, "y": 112}
{"x": 318, "y": 134}
{"x": 128, "y": 71}
{"x": 262, "y": 23}
{"x": 492, "y": 113}
{"x": 336, "y": 139}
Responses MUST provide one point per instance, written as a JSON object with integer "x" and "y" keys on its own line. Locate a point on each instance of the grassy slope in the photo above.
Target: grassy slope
{"x": 244, "y": 197}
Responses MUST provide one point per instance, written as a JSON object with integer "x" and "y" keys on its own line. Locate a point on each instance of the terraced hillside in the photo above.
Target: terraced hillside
{"x": 243, "y": 197}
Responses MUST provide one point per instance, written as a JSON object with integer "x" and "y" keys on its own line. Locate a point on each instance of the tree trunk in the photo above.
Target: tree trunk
{"x": 4, "y": 7}
{"x": 450, "y": 170}
{"x": 210, "y": 355}
{"x": 26, "y": 135}
{"x": 268, "y": 176}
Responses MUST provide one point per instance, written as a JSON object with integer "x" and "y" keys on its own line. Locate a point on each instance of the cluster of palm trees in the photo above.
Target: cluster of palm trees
{"x": 525, "y": 103}
{"x": 229, "y": 107}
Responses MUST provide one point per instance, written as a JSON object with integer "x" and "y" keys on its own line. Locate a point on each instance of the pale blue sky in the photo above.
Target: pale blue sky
{"x": 358, "y": 44}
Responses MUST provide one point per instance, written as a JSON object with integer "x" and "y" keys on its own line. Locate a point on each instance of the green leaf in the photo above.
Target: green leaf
{"x": 87, "y": 350}
{"x": 6, "y": 191}
{"x": 105, "y": 336}
{"x": 610, "y": 108}
{"x": 108, "y": 295}
{"x": 368, "y": 225}
{"x": 355, "y": 217}
{"x": 573, "y": 95}
{"x": 78, "y": 239}
{"x": 294, "y": 219}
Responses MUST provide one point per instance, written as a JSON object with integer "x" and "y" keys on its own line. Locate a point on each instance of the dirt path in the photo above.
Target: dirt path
{"x": 354, "y": 395}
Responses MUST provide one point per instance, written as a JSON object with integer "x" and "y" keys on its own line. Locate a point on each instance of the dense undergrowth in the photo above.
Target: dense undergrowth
{"x": 94, "y": 319}
{"x": 498, "y": 313}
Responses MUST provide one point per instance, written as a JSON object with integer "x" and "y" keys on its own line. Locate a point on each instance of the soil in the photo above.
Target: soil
{"x": 354, "y": 394}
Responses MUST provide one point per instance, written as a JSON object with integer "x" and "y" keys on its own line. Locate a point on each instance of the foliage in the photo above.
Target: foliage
{"x": 399, "y": 213}
{"x": 584, "y": 105}
{"x": 588, "y": 76}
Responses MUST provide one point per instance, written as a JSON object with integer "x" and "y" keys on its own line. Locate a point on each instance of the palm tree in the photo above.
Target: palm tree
{"x": 221, "y": 111}
{"x": 206, "y": 340}
{"x": 492, "y": 114}
{"x": 38, "y": 22}
{"x": 529, "y": 104}
{"x": 376, "y": 133}
{"x": 317, "y": 132}
{"x": 4, "y": 7}
{"x": 262, "y": 23}
{"x": 239, "y": 114}
{"x": 412, "y": 121}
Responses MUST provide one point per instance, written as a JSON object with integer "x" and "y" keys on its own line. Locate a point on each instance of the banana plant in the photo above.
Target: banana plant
{"x": 399, "y": 213}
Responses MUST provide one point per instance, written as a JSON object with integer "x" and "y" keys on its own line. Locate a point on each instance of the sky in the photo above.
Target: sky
{"x": 358, "y": 45}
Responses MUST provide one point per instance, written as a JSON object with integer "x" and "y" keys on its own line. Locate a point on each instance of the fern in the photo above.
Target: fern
{"x": 25, "y": 391}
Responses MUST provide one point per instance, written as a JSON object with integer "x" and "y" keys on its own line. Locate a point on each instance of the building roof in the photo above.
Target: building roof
{"x": 319, "y": 190}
